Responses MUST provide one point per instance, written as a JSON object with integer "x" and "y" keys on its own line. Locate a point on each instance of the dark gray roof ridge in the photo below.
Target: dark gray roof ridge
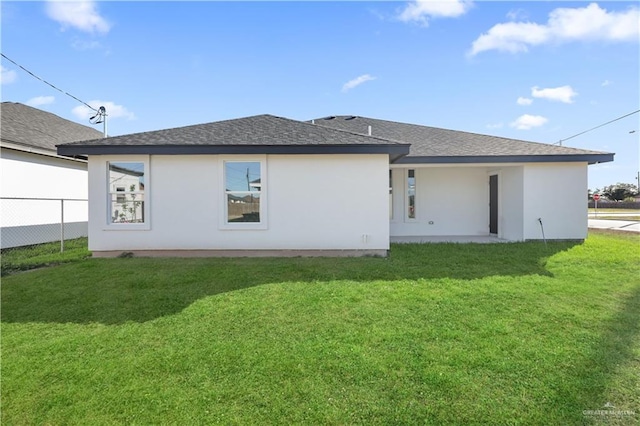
{"x": 221, "y": 122}
{"x": 318, "y": 121}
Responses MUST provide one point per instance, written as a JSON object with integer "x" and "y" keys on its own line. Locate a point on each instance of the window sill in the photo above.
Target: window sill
{"x": 127, "y": 227}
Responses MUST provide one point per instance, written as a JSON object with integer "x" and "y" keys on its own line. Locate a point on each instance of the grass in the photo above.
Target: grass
{"x": 607, "y": 210}
{"x": 625, "y": 218}
{"x": 41, "y": 255}
{"x": 434, "y": 334}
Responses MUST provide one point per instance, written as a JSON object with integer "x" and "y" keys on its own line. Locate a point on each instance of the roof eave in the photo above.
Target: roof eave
{"x": 468, "y": 159}
{"x": 394, "y": 150}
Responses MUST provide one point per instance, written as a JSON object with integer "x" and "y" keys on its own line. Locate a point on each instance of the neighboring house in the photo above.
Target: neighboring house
{"x": 339, "y": 185}
{"x": 31, "y": 168}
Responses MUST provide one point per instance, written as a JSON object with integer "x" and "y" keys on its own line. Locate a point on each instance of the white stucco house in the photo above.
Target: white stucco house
{"x": 34, "y": 178}
{"x": 267, "y": 185}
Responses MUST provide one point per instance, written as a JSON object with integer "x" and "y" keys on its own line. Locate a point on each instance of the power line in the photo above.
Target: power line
{"x": 46, "y": 82}
{"x": 597, "y": 127}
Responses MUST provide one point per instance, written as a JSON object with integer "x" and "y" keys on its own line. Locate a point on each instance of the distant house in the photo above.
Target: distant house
{"x": 31, "y": 168}
{"x": 336, "y": 185}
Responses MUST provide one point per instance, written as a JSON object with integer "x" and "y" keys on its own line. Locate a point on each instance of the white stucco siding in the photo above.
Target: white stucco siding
{"x": 312, "y": 202}
{"x": 449, "y": 201}
{"x": 556, "y": 193}
{"x": 32, "y": 175}
{"x": 511, "y": 202}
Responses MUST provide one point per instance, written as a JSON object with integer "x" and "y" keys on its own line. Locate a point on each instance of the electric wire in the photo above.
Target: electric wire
{"x": 597, "y": 127}
{"x": 46, "y": 82}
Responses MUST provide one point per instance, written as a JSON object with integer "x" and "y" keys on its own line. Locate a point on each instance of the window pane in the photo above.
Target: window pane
{"x": 411, "y": 194}
{"x": 129, "y": 176}
{"x": 242, "y": 176}
{"x": 127, "y": 207}
{"x": 243, "y": 207}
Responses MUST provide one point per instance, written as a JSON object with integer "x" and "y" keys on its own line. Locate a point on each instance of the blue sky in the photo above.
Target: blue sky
{"x": 540, "y": 71}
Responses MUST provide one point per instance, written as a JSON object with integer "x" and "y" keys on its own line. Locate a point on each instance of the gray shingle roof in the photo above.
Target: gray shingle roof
{"x": 431, "y": 144}
{"x": 31, "y": 127}
{"x": 260, "y": 133}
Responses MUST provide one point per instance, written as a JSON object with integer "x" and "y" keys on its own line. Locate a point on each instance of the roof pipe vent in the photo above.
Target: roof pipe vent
{"x": 313, "y": 121}
{"x": 369, "y": 130}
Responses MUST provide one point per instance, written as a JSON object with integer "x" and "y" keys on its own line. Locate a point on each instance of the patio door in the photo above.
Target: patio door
{"x": 493, "y": 204}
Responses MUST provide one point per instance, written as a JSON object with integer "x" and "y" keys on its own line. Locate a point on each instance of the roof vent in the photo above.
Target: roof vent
{"x": 331, "y": 117}
{"x": 352, "y": 117}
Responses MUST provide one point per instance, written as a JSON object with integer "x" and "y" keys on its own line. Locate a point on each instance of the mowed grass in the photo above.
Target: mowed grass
{"x": 435, "y": 334}
{"x": 40, "y": 255}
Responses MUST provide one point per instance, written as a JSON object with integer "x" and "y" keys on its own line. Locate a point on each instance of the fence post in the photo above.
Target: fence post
{"x": 62, "y": 225}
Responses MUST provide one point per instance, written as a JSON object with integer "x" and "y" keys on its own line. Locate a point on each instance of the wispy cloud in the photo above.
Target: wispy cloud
{"x": 41, "y": 100}
{"x": 81, "y": 15}
{"x": 113, "y": 110}
{"x": 589, "y": 23}
{"x": 421, "y": 11}
{"x": 560, "y": 94}
{"x": 605, "y": 83}
{"x": 526, "y": 122}
{"x": 7, "y": 76}
{"x": 356, "y": 82}
{"x": 524, "y": 101}
{"x": 495, "y": 126}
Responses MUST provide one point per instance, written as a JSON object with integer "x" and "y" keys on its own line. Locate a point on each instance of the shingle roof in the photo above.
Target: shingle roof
{"x": 260, "y": 133}
{"x": 431, "y": 144}
{"x": 31, "y": 127}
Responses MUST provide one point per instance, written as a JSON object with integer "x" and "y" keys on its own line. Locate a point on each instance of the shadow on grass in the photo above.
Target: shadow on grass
{"x": 114, "y": 291}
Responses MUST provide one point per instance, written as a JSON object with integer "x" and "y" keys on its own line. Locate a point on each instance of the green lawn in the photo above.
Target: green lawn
{"x": 40, "y": 255}
{"x": 435, "y": 334}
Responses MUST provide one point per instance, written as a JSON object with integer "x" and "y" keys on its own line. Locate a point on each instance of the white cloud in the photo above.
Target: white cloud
{"x": 82, "y": 15}
{"x": 524, "y": 101}
{"x": 85, "y": 44}
{"x": 113, "y": 110}
{"x": 526, "y": 122}
{"x": 7, "y": 76}
{"x": 564, "y": 25}
{"x": 517, "y": 14}
{"x": 605, "y": 83}
{"x": 356, "y": 82}
{"x": 421, "y": 10}
{"x": 560, "y": 94}
{"x": 494, "y": 126}
{"x": 41, "y": 100}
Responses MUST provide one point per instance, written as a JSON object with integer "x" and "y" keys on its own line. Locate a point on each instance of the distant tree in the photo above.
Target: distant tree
{"x": 620, "y": 191}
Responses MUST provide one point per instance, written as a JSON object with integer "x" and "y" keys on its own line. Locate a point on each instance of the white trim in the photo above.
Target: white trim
{"x": 264, "y": 189}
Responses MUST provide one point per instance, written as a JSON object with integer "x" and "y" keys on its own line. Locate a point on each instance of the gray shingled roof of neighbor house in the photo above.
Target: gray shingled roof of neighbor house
{"x": 435, "y": 145}
{"x": 256, "y": 134}
{"x": 31, "y": 127}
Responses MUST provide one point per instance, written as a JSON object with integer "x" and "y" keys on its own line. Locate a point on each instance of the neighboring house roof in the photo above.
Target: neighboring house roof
{"x": 260, "y": 134}
{"x": 435, "y": 145}
{"x": 26, "y": 127}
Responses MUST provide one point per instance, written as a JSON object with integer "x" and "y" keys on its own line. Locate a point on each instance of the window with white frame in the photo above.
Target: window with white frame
{"x": 411, "y": 194}
{"x": 126, "y": 186}
{"x": 244, "y": 191}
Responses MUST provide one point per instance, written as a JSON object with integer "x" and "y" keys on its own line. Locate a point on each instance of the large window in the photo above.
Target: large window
{"x": 126, "y": 192}
{"x": 243, "y": 192}
{"x": 411, "y": 194}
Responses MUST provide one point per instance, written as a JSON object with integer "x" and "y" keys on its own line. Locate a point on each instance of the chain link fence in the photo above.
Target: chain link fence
{"x": 32, "y": 221}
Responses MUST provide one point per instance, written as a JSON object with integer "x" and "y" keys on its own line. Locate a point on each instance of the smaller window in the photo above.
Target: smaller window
{"x": 126, "y": 192}
{"x": 243, "y": 190}
{"x": 411, "y": 194}
{"x": 390, "y": 195}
